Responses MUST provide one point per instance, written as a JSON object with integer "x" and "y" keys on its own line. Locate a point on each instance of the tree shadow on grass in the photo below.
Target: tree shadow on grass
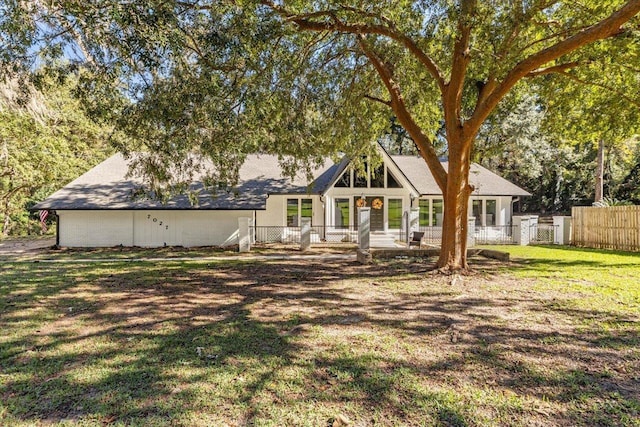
{"x": 252, "y": 342}
{"x": 131, "y": 329}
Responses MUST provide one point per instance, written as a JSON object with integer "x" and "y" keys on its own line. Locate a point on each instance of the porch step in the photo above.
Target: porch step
{"x": 381, "y": 240}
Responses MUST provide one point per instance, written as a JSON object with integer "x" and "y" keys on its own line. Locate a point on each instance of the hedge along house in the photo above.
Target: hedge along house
{"x": 99, "y": 208}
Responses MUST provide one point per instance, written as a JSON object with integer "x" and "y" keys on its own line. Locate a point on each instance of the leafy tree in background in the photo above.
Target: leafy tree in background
{"x": 523, "y": 141}
{"x": 303, "y": 79}
{"x": 623, "y": 171}
{"x": 598, "y": 102}
{"x": 45, "y": 141}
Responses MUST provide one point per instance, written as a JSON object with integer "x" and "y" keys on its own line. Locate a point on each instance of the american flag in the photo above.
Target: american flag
{"x": 43, "y": 216}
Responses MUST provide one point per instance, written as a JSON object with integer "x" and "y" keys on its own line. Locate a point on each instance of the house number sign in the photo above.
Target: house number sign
{"x": 159, "y": 222}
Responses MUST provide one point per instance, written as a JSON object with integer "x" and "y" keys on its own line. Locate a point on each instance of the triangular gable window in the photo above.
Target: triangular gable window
{"x": 392, "y": 182}
{"x": 345, "y": 180}
{"x": 376, "y": 180}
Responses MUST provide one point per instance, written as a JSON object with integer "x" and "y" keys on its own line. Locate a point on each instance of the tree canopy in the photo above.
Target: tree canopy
{"x": 45, "y": 141}
{"x": 304, "y": 79}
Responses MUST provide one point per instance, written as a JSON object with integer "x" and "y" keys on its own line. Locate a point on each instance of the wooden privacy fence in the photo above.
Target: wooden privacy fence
{"x": 615, "y": 227}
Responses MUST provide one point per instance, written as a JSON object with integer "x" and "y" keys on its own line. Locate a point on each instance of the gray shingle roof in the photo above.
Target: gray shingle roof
{"x": 106, "y": 186}
{"x": 486, "y": 183}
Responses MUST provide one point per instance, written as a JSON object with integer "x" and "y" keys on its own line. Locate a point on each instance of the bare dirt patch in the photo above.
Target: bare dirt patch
{"x": 25, "y": 246}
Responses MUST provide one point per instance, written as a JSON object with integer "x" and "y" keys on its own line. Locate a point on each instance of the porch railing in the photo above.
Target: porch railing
{"x": 432, "y": 235}
{"x": 495, "y": 234}
{"x": 489, "y": 235}
{"x": 542, "y": 234}
{"x": 319, "y": 234}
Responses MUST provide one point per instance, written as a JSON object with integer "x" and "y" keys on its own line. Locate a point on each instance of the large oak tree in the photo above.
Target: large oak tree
{"x": 302, "y": 79}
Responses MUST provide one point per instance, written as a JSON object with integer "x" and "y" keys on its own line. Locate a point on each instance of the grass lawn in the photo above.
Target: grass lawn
{"x": 552, "y": 338}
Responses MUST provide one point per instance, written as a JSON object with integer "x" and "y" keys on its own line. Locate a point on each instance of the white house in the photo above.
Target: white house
{"x": 100, "y": 208}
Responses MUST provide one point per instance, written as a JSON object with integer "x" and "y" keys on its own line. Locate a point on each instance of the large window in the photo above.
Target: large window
{"x": 344, "y": 180}
{"x": 437, "y": 211}
{"x": 490, "y": 218}
{"x": 484, "y": 212}
{"x": 306, "y": 208}
{"x": 359, "y": 180}
{"x": 297, "y": 209}
{"x": 380, "y": 178}
{"x": 392, "y": 182}
{"x": 394, "y": 213}
{"x": 476, "y": 211}
{"x": 431, "y": 211}
{"x": 425, "y": 221}
{"x": 377, "y": 178}
{"x": 292, "y": 213}
{"x": 341, "y": 213}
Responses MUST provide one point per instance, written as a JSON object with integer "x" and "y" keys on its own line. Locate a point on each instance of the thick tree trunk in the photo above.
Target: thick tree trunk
{"x": 453, "y": 252}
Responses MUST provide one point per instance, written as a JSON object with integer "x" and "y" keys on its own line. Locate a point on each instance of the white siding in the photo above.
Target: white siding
{"x": 157, "y": 228}
{"x": 275, "y": 212}
{"x": 210, "y": 228}
{"x": 96, "y": 228}
{"x": 149, "y": 228}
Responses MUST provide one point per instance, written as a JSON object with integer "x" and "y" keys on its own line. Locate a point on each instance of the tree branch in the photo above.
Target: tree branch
{"x": 461, "y": 58}
{"x": 305, "y": 22}
{"x": 560, "y": 68}
{"x": 380, "y": 100}
{"x": 13, "y": 191}
{"x": 606, "y": 28}
{"x": 423, "y": 143}
{"x": 622, "y": 95}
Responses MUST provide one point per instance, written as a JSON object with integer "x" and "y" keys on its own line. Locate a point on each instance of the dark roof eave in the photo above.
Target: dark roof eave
{"x": 342, "y": 166}
{"x": 160, "y": 208}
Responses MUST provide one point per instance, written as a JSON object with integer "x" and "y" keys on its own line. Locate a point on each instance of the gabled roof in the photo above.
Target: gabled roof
{"x": 485, "y": 182}
{"x": 345, "y": 162}
{"x": 106, "y": 186}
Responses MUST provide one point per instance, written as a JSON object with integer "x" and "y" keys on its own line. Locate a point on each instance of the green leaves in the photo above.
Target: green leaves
{"x": 200, "y": 79}
{"x": 43, "y": 145}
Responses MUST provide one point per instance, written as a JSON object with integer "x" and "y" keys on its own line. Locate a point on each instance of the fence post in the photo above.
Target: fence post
{"x": 471, "y": 231}
{"x": 521, "y": 234}
{"x": 414, "y": 221}
{"x": 364, "y": 227}
{"x": 404, "y": 230}
{"x": 244, "y": 236}
{"x": 561, "y": 230}
{"x": 305, "y": 234}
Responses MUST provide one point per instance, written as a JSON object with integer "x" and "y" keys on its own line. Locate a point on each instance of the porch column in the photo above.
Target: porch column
{"x": 414, "y": 219}
{"x": 364, "y": 227}
{"x": 471, "y": 232}
{"x": 521, "y": 230}
{"x": 562, "y": 230}
{"x": 305, "y": 234}
{"x": 244, "y": 236}
{"x": 411, "y": 223}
